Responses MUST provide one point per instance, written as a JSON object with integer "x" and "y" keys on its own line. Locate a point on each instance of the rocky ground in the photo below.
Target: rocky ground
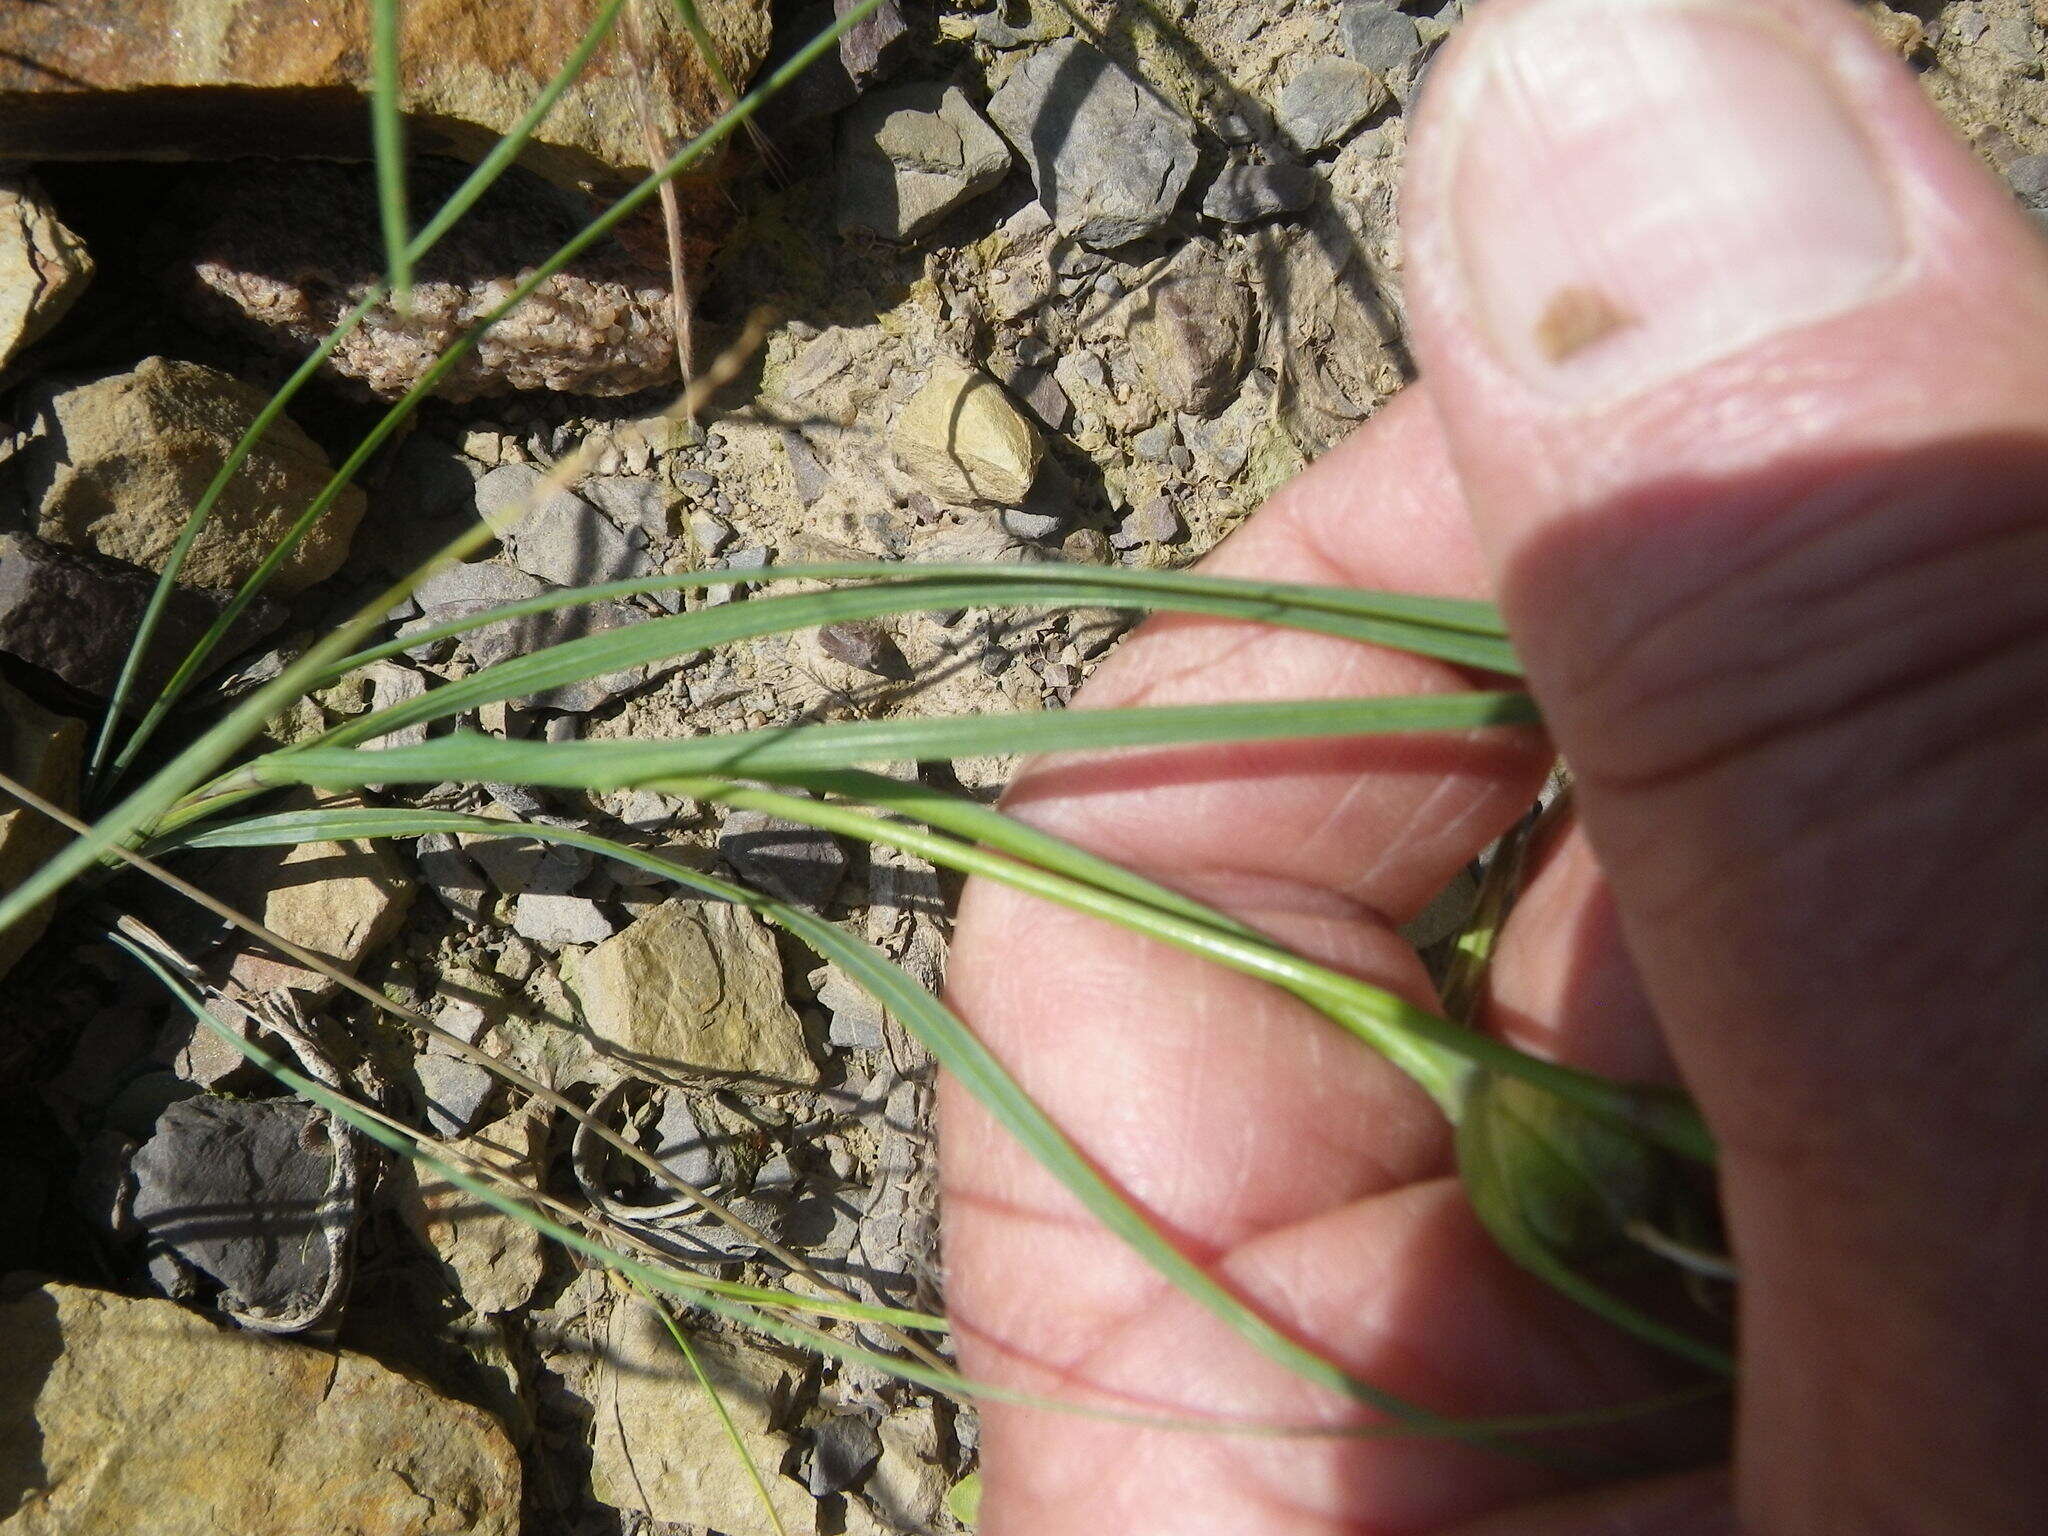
{"x": 1045, "y": 282}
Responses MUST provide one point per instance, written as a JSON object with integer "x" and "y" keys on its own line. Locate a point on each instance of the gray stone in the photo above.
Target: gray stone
{"x": 634, "y": 503}
{"x": 785, "y": 858}
{"x": 874, "y": 45}
{"x": 843, "y": 1447}
{"x": 864, "y": 645}
{"x": 1109, "y": 158}
{"x": 463, "y": 1017}
{"x": 450, "y": 874}
{"x": 1021, "y": 523}
{"x": 1041, "y": 392}
{"x": 547, "y": 909}
{"x": 559, "y": 918}
{"x": 240, "y": 1190}
{"x": 1326, "y": 99}
{"x": 124, "y": 1415}
{"x": 508, "y": 495}
{"x": 1155, "y": 442}
{"x": 2028, "y": 178}
{"x": 711, "y": 533}
{"x": 555, "y": 535}
{"x": 856, "y": 1017}
{"x": 1379, "y": 36}
{"x": 455, "y": 1092}
{"x": 485, "y": 583}
{"x": 812, "y": 478}
{"x": 1152, "y": 522}
{"x": 1246, "y": 191}
{"x": 910, "y": 156}
{"x": 701, "y": 1155}
{"x": 392, "y": 683}
{"x": 43, "y": 265}
{"x": 72, "y": 612}
{"x": 537, "y": 631}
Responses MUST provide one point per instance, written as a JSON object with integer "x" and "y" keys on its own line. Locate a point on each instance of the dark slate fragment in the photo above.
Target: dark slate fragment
{"x": 842, "y": 1450}
{"x": 72, "y": 613}
{"x": 863, "y": 644}
{"x": 240, "y": 1190}
{"x": 1244, "y": 192}
{"x": 785, "y": 858}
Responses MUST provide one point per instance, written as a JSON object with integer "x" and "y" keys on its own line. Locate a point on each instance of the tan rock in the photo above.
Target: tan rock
{"x": 660, "y": 1446}
{"x": 120, "y": 461}
{"x": 126, "y": 1415}
{"x": 217, "y": 79}
{"x": 693, "y": 987}
{"x": 497, "y": 1260}
{"x": 43, "y": 751}
{"x": 43, "y": 266}
{"x": 908, "y": 1487}
{"x": 341, "y": 900}
{"x": 965, "y": 441}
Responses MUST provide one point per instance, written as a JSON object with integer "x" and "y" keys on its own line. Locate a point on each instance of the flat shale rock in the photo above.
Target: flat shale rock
{"x": 242, "y": 1190}
{"x": 342, "y": 900}
{"x": 71, "y": 612}
{"x": 495, "y": 1260}
{"x": 119, "y": 1415}
{"x": 212, "y": 79}
{"x": 43, "y": 265}
{"x": 910, "y": 156}
{"x": 1191, "y": 328}
{"x": 1110, "y": 159}
{"x": 693, "y": 987}
{"x": 117, "y": 463}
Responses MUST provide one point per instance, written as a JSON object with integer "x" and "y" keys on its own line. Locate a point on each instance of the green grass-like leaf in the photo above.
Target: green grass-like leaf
{"x": 607, "y": 765}
{"x": 479, "y": 181}
{"x": 387, "y": 141}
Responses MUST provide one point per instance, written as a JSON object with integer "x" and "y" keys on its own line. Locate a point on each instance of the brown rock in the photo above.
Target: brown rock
{"x": 282, "y": 257}
{"x": 43, "y": 266}
{"x": 125, "y": 1415}
{"x": 117, "y": 463}
{"x": 71, "y": 612}
{"x": 212, "y": 79}
{"x": 42, "y": 751}
{"x": 1190, "y": 327}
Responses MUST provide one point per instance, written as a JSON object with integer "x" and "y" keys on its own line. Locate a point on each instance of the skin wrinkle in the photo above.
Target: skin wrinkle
{"x": 1846, "y": 510}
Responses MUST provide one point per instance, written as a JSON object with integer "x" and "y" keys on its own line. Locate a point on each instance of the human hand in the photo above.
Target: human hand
{"x": 1735, "y": 393}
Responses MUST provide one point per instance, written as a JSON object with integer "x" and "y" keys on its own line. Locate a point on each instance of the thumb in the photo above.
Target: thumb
{"x": 1744, "y": 368}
